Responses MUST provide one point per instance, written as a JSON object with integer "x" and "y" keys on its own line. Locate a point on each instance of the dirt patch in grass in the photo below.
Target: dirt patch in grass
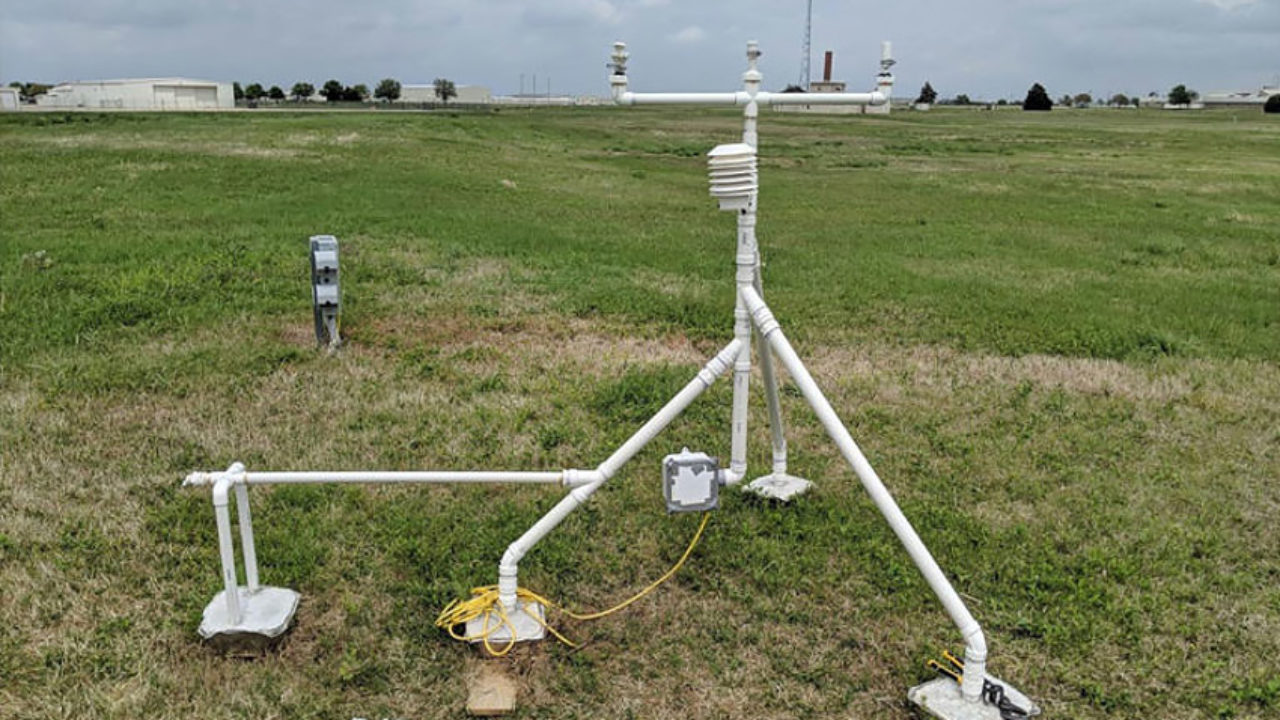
{"x": 941, "y": 368}
{"x": 204, "y": 147}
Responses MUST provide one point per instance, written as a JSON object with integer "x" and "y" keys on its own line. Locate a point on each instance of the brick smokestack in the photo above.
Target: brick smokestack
{"x": 826, "y": 67}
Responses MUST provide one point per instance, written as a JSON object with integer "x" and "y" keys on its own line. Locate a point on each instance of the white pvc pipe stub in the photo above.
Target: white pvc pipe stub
{"x": 941, "y": 698}
{"x": 265, "y": 615}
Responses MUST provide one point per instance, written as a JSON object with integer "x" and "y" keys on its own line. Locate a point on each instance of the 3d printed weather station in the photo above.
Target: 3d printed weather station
{"x": 504, "y": 614}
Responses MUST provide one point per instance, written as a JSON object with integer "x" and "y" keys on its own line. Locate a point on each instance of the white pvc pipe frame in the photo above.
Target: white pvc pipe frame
{"x": 750, "y": 310}
{"x": 751, "y": 303}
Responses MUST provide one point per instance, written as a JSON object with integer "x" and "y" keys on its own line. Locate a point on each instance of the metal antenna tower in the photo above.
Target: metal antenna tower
{"x": 805, "y": 52}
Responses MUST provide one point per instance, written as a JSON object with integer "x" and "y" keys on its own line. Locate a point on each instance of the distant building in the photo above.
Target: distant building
{"x": 141, "y": 94}
{"x": 467, "y": 94}
{"x": 527, "y": 100}
{"x": 10, "y": 99}
{"x": 1242, "y": 98}
{"x": 884, "y": 84}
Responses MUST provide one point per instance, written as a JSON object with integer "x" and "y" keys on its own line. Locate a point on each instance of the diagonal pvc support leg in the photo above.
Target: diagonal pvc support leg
{"x": 975, "y": 655}
{"x": 524, "y": 619}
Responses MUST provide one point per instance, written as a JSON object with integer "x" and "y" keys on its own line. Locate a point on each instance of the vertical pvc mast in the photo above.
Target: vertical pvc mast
{"x": 747, "y": 258}
{"x": 975, "y": 643}
{"x": 750, "y": 135}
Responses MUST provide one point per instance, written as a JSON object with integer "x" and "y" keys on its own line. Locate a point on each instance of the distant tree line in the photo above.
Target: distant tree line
{"x": 1038, "y": 99}
{"x": 333, "y": 91}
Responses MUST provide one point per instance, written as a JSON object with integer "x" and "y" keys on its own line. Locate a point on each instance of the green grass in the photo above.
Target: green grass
{"x": 1055, "y": 335}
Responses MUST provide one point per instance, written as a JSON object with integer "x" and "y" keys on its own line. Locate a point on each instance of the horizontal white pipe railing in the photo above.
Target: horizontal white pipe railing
{"x": 720, "y": 98}
{"x": 558, "y": 477}
{"x": 815, "y": 98}
{"x": 975, "y": 643}
{"x": 741, "y": 98}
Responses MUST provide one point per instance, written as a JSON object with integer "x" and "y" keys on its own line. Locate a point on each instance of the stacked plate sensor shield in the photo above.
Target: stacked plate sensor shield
{"x": 734, "y": 180}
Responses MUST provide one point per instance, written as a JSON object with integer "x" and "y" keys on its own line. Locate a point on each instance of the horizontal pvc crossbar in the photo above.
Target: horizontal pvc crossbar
{"x": 244, "y": 477}
{"x": 743, "y": 98}
{"x": 479, "y": 476}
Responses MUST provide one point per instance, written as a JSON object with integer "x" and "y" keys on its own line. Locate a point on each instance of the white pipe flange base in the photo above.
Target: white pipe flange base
{"x": 779, "y": 486}
{"x": 941, "y": 698}
{"x": 265, "y": 612}
{"x": 528, "y": 621}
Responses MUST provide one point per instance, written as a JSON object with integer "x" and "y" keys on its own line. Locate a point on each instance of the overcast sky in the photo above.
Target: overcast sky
{"x": 984, "y": 48}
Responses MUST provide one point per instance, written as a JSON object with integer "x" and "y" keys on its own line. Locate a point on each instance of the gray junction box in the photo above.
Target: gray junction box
{"x": 691, "y": 482}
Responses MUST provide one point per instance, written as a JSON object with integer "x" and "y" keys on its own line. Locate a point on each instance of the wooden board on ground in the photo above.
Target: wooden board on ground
{"x": 490, "y": 691}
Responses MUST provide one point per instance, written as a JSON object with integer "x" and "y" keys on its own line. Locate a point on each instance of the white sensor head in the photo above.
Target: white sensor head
{"x": 732, "y": 170}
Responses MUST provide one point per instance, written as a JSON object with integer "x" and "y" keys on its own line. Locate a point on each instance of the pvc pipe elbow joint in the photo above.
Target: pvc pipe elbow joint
{"x": 221, "y": 489}
{"x": 975, "y": 644}
{"x": 224, "y": 481}
{"x": 975, "y": 658}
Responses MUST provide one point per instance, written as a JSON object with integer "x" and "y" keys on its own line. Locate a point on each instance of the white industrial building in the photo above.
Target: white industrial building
{"x": 467, "y": 94}
{"x": 141, "y": 94}
{"x": 9, "y": 99}
{"x": 1241, "y": 97}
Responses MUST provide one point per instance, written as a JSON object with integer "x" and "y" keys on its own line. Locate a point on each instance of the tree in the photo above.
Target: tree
{"x": 302, "y": 90}
{"x": 332, "y": 91}
{"x": 1119, "y": 100}
{"x": 1272, "y": 105}
{"x": 1037, "y": 99}
{"x": 254, "y": 91}
{"x": 388, "y": 89}
{"x": 1180, "y": 95}
{"x": 445, "y": 89}
{"x": 275, "y": 93}
{"x": 355, "y": 93}
{"x": 29, "y": 90}
{"x": 962, "y": 99}
{"x": 236, "y": 91}
{"x": 1082, "y": 99}
{"x": 928, "y": 95}
{"x": 793, "y": 88}
{"x": 1065, "y": 101}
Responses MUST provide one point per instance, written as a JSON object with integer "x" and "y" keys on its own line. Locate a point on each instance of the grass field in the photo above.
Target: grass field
{"x": 1055, "y": 335}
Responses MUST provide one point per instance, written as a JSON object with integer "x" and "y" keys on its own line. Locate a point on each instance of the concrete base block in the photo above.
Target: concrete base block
{"x": 265, "y": 615}
{"x": 941, "y": 698}
{"x": 778, "y": 486}
{"x": 527, "y": 621}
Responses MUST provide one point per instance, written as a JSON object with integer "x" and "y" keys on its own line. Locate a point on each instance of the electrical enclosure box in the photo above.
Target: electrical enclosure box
{"x": 691, "y": 481}
{"x": 325, "y": 297}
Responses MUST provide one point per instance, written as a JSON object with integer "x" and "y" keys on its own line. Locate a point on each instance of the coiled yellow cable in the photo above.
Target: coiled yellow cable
{"x": 484, "y": 603}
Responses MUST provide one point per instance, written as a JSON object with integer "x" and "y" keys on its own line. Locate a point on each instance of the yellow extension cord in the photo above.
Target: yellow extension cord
{"x": 484, "y": 603}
